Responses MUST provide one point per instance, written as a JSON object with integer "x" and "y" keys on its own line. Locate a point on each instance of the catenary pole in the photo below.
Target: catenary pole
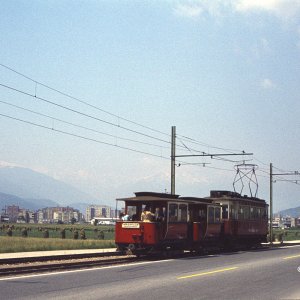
{"x": 271, "y": 206}
{"x": 173, "y": 147}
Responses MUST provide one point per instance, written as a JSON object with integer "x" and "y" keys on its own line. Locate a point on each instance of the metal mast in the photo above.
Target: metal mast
{"x": 173, "y": 153}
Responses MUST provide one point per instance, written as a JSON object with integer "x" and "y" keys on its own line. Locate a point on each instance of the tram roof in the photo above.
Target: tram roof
{"x": 232, "y": 196}
{"x": 152, "y": 196}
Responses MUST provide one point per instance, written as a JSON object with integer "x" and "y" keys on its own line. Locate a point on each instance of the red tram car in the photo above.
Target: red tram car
{"x": 155, "y": 222}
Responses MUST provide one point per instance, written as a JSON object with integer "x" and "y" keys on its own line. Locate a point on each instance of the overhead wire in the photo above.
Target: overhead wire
{"x": 81, "y": 113}
{"x": 188, "y": 139}
{"x": 81, "y": 137}
{"x": 194, "y": 141}
{"x": 94, "y": 140}
{"x": 104, "y": 111}
{"x": 80, "y": 126}
{"x": 81, "y": 101}
{"x": 84, "y": 114}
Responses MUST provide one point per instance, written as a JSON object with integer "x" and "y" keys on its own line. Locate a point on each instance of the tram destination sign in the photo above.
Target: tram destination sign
{"x": 130, "y": 225}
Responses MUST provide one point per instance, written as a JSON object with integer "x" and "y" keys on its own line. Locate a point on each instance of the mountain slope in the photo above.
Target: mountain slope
{"x": 26, "y": 183}
{"x": 292, "y": 212}
{"x": 31, "y": 204}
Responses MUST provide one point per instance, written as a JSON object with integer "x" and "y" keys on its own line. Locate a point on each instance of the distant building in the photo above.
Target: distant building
{"x": 98, "y": 211}
{"x": 15, "y": 214}
{"x": 4, "y": 218}
{"x": 12, "y": 211}
{"x": 59, "y": 215}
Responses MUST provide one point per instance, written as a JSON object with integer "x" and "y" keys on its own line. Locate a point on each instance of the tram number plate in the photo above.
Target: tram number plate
{"x": 130, "y": 225}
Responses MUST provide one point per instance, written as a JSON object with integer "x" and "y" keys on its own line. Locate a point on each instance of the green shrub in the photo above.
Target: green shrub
{"x": 75, "y": 234}
{"x": 9, "y": 232}
{"x": 24, "y": 232}
{"x": 82, "y": 234}
{"x": 46, "y": 234}
{"x": 63, "y": 233}
{"x": 101, "y": 235}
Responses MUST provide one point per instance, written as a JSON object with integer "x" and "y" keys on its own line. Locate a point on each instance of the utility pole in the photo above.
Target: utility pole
{"x": 173, "y": 153}
{"x": 271, "y": 196}
{"x": 174, "y": 156}
{"x": 271, "y": 205}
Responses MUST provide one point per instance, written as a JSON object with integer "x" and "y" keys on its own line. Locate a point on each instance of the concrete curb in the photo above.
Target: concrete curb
{"x": 57, "y": 253}
{"x": 37, "y": 254}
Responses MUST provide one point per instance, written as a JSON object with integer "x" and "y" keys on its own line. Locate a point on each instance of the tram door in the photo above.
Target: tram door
{"x": 177, "y": 221}
{"x": 198, "y": 221}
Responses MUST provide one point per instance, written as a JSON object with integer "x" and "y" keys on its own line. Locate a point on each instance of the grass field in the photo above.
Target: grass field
{"x": 290, "y": 234}
{"x": 59, "y": 231}
{"x": 43, "y": 237}
{"x": 19, "y": 244}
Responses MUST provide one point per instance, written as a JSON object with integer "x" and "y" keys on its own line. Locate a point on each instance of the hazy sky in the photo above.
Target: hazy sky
{"x": 226, "y": 73}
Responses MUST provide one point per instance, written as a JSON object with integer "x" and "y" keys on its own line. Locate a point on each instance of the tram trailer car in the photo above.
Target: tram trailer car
{"x": 157, "y": 222}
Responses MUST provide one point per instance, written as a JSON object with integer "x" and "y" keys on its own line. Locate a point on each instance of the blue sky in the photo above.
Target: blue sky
{"x": 225, "y": 73}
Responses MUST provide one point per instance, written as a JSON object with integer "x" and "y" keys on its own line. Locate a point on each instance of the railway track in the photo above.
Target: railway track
{"x": 37, "y": 265}
{"x": 12, "y": 267}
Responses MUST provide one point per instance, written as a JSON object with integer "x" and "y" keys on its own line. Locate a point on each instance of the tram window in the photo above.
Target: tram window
{"x": 182, "y": 213}
{"x": 217, "y": 214}
{"x": 173, "y": 212}
{"x": 246, "y": 212}
{"x": 201, "y": 215}
{"x": 224, "y": 211}
{"x": 252, "y": 212}
{"x": 241, "y": 213}
{"x": 265, "y": 213}
{"x": 260, "y": 212}
{"x": 232, "y": 213}
{"x": 211, "y": 215}
{"x": 160, "y": 213}
{"x": 256, "y": 212}
{"x": 131, "y": 212}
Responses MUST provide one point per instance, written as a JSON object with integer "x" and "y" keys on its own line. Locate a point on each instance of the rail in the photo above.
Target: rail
{"x": 11, "y": 267}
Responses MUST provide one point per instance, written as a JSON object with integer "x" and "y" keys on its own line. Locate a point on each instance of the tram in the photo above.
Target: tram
{"x": 158, "y": 222}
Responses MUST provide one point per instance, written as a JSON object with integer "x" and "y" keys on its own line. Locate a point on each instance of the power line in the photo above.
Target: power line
{"x": 289, "y": 180}
{"x": 263, "y": 163}
{"x": 86, "y": 115}
{"x": 100, "y": 109}
{"x": 204, "y": 165}
{"x": 80, "y": 126}
{"x": 81, "y": 101}
{"x": 81, "y": 113}
{"x": 194, "y": 141}
{"x": 204, "y": 154}
{"x": 82, "y": 137}
{"x": 105, "y": 143}
{"x": 191, "y": 140}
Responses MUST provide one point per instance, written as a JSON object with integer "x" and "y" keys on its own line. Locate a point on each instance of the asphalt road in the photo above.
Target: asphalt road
{"x": 267, "y": 274}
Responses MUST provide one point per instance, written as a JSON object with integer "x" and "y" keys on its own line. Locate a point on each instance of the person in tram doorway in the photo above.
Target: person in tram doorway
{"x": 159, "y": 214}
{"x": 147, "y": 215}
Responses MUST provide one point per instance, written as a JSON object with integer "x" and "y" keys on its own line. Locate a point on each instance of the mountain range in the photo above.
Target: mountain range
{"x": 292, "y": 212}
{"x": 32, "y": 190}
